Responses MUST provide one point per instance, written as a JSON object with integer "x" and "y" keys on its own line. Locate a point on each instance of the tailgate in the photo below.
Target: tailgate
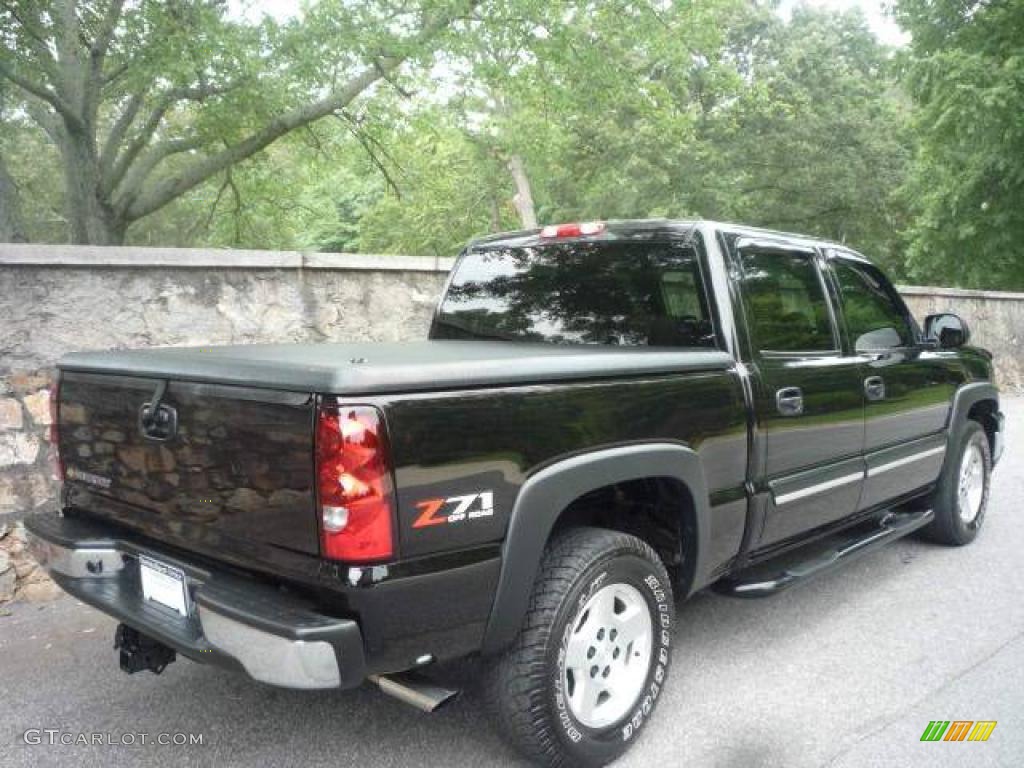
{"x": 238, "y": 463}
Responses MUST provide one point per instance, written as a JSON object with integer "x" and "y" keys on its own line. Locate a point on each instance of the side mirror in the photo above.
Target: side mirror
{"x": 947, "y": 330}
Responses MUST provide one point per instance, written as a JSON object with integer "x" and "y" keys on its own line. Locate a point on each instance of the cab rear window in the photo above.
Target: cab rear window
{"x": 620, "y": 293}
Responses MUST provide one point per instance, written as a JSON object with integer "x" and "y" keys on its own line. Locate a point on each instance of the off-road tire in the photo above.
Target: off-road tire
{"x": 949, "y": 526}
{"x": 524, "y": 686}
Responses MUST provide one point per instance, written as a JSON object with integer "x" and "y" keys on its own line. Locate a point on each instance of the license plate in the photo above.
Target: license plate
{"x": 163, "y": 584}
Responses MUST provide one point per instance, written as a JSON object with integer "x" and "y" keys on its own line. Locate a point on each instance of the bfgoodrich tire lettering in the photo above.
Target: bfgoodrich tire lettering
{"x": 527, "y": 686}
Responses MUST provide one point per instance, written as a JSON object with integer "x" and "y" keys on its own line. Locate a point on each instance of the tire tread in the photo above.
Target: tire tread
{"x": 946, "y": 528}
{"x": 516, "y": 686}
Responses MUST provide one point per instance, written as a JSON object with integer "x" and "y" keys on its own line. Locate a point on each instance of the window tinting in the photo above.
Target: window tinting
{"x": 785, "y": 302}
{"x": 626, "y": 293}
{"x": 875, "y": 315}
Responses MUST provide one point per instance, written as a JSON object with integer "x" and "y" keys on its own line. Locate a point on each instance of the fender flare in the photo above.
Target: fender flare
{"x": 965, "y": 398}
{"x": 546, "y": 494}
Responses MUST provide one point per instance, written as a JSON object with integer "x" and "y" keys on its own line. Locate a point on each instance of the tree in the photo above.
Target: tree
{"x": 147, "y": 100}
{"x": 485, "y": 107}
{"x": 817, "y": 139}
{"x": 965, "y": 70}
{"x": 717, "y": 109}
{"x": 592, "y": 103}
{"x": 537, "y": 111}
{"x": 565, "y": 103}
{"x": 12, "y": 224}
{"x": 30, "y": 205}
{"x": 447, "y": 190}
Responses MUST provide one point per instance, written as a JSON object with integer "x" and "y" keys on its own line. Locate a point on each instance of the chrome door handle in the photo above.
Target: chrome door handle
{"x": 874, "y": 388}
{"x": 790, "y": 401}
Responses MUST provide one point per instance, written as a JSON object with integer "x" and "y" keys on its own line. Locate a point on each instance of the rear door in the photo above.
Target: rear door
{"x": 908, "y": 388}
{"x": 808, "y": 395}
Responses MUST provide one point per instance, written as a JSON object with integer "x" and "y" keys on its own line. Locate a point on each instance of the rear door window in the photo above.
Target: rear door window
{"x": 785, "y": 302}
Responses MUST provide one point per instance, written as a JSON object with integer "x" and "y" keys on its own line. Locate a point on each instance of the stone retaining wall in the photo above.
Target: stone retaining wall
{"x": 56, "y": 299}
{"x": 996, "y": 320}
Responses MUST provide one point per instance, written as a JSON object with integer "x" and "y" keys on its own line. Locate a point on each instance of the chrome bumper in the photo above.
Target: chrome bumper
{"x": 271, "y": 658}
{"x": 232, "y": 621}
{"x": 84, "y": 563}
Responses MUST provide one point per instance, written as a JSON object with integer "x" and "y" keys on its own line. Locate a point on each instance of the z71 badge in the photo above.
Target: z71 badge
{"x": 454, "y": 509}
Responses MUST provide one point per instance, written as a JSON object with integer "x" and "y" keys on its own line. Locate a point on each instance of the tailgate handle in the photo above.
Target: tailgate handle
{"x": 148, "y": 413}
{"x": 157, "y": 421}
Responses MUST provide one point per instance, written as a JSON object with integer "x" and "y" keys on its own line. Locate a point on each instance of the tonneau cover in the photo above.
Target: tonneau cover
{"x": 388, "y": 367}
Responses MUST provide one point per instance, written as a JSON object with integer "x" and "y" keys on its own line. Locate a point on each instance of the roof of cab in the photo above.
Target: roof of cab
{"x": 676, "y": 229}
{"x": 614, "y": 229}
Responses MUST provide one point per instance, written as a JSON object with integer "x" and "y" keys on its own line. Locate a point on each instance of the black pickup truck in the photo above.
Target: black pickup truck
{"x": 606, "y": 418}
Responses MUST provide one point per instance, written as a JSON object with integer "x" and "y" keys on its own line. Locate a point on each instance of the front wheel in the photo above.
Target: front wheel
{"x": 583, "y": 676}
{"x": 961, "y": 497}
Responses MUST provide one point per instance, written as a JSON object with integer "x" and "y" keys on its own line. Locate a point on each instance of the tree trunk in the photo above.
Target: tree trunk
{"x": 495, "y": 214}
{"x": 12, "y": 226}
{"x": 524, "y": 195}
{"x": 90, "y": 220}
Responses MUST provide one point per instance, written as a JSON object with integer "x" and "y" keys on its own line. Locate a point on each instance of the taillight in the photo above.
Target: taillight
{"x": 353, "y": 472}
{"x": 55, "y": 460}
{"x": 573, "y": 230}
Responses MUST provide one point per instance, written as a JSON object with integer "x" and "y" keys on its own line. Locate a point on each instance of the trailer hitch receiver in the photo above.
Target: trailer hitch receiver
{"x": 140, "y": 652}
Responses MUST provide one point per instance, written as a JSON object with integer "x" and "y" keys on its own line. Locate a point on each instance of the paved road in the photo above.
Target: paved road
{"x": 845, "y": 671}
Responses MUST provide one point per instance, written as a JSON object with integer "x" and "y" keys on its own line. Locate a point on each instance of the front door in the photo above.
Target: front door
{"x": 808, "y": 394}
{"x": 908, "y": 388}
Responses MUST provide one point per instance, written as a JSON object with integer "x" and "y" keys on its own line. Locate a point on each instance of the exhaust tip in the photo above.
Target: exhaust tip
{"x": 415, "y": 690}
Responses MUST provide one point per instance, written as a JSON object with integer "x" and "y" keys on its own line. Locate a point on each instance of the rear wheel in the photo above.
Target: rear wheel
{"x": 583, "y": 675}
{"x": 961, "y": 498}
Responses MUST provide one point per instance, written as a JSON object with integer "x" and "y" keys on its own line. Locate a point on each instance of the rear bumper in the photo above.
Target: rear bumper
{"x": 276, "y": 638}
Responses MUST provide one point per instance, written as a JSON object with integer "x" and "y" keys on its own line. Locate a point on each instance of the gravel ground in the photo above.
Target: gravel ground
{"x": 844, "y": 671}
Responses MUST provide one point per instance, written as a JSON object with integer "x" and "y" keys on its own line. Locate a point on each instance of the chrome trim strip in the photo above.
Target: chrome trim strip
{"x": 872, "y": 471}
{"x": 812, "y": 490}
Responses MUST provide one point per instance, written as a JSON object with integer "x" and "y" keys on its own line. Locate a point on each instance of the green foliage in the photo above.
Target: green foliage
{"x": 279, "y": 202}
{"x": 965, "y": 70}
{"x": 818, "y": 142}
{"x": 714, "y": 109}
{"x": 445, "y": 194}
{"x": 33, "y": 162}
{"x": 617, "y": 109}
{"x": 148, "y": 100}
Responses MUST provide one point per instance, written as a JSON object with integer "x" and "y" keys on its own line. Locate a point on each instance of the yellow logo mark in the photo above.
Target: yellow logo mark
{"x": 982, "y": 730}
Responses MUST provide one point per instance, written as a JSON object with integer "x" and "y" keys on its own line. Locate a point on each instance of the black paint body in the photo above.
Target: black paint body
{"x": 234, "y": 487}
